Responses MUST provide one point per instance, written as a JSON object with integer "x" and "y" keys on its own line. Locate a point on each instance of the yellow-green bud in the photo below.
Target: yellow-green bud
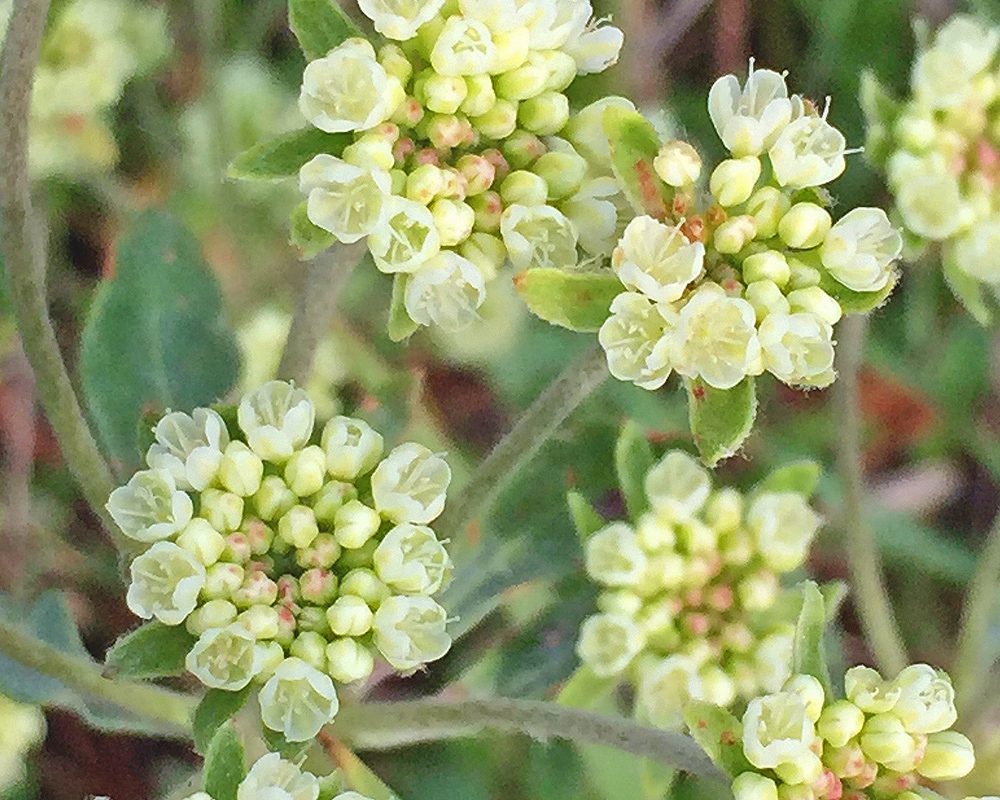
{"x": 370, "y": 150}
{"x": 678, "y": 163}
{"x": 806, "y": 768}
{"x": 395, "y": 63}
{"x": 523, "y": 82}
{"x": 348, "y": 660}
{"x": 499, "y": 122}
{"x": 817, "y": 302}
{"x": 364, "y": 583}
{"x": 305, "y": 471}
{"x": 479, "y": 95}
{"x": 217, "y": 613}
{"x": 273, "y": 498}
{"x": 948, "y": 757}
{"x": 758, "y": 590}
{"x": 770, "y": 265}
{"x": 734, "y": 234}
{"x": 521, "y": 149}
{"x": 329, "y": 500}
{"x": 349, "y": 616}
{"x": 271, "y": 655}
{"x": 424, "y": 183}
{"x": 323, "y": 552}
{"x": 810, "y": 690}
{"x": 485, "y": 251}
{"x": 261, "y": 622}
{"x": 298, "y": 526}
{"x": 883, "y": 738}
{"x": 311, "y": 648}
{"x": 563, "y": 172}
{"x": 355, "y": 523}
{"x": 802, "y": 275}
{"x": 488, "y": 208}
{"x": 478, "y": 173}
{"x": 237, "y": 548}
{"x": 916, "y": 131}
{"x": 840, "y": 722}
{"x": 318, "y": 586}
{"x": 256, "y": 589}
{"x": 223, "y": 510}
{"x": 453, "y": 220}
{"x": 767, "y": 206}
{"x": 221, "y": 580}
{"x": 805, "y": 225}
{"x": 241, "y": 469}
{"x": 525, "y": 188}
{"x": 796, "y": 791}
{"x": 766, "y": 298}
{"x": 512, "y": 48}
{"x": 544, "y": 114}
{"x": 619, "y": 601}
{"x": 443, "y": 94}
{"x": 724, "y": 509}
{"x": 560, "y": 67}
{"x": 313, "y": 618}
{"x": 754, "y": 786}
{"x": 733, "y": 180}
{"x": 202, "y": 540}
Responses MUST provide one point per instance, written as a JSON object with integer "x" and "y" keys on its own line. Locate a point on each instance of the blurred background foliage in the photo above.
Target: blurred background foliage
{"x": 229, "y": 78}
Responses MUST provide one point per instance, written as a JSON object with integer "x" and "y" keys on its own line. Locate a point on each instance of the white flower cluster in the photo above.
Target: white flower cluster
{"x": 274, "y": 778}
{"x": 295, "y": 556}
{"x": 943, "y": 161}
{"x": 747, "y": 284}
{"x": 90, "y": 52}
{"x": 883, "y": 741}
{"x": 464, "y": 153}
{"x": 21, "y": 727}
{"x": 687, "y": 591}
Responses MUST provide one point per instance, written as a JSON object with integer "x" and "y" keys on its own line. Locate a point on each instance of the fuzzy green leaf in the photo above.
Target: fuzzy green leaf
{"x": 633, "y": 459}
{"x": 799, "y": 476}
{"x": 807, "y": 654}
{"x": 320, "y": 25}
{"x": 401, "y": 326}
{"x": 881, "y": 111}
{"x": 277, "y": 743}
{"x": 967, "y": 290}
{"x": 634, "y": 144}
{"x": 853, "y": 302}
{"x": 719, "y": 733}
{"x": 283, "y": 156}
{"x": 580, "y": 301}
{"x": 720, "y": 419}
{"x": 309, "y": 239}
{"x": 225, "y": 765}
{"x": 152, "y": 650}
{"x": 585, "y": 519}
{"x": 214, "y": 710}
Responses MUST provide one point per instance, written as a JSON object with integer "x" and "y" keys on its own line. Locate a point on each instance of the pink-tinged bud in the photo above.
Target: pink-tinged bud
{"x": 323, "y": 552}
{"x": 500, "y": 165}
{"x": 697, "y": 624}
{"x": 402, "y": 149}
{"x": 409, "y": 113}
{"x": 892, "y": 783}
{"x": 256, "y": 589}
{"x": 522, "y": 148}
{"x": 865, "y": 778}
{"x": 286, "y": 626}
{"x": 258, "y": 535}
{"x": 720, "y": 598}
{"x": 288, "y": 590}
{"x": 319, "y": 586}
{"x": 237, "y": 548}
{"x": 478, "y": 173}
{"x": 387, "y": 131}
{"x": 445, "y": 131}
{"x": 828, "y": 786}
{"x": 488, "y": 208}
{"x": 455, "y": 184}
{"x": 693, "y": 598}
{"x": 427, "y": 155}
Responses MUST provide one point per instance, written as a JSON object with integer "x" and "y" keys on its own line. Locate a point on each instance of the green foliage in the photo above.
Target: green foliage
{"x": 284, "y": 155}
{"x": 720, "y": 419}
{"x": 799, "y": 476}
{"x": 155, "y": 337}
{"x": 153, "y": 650}
{"x": 276, "y": 742}
{"x": 320, "y": 25}
{"x": 881, "y": 111}
{"x": 585, "y": 689}
{"x": 580, "y": 301}
{"x": 633, "y": 459}
{"x": 719, "y": 733}
{"x": 634, "y": 145}
{"x": 309, "y": 239}
{"x": 585, "y": 519}
{"x": 853, "y": 302}
{"x": 807, "y": 654}
{"x": 225, "y": 764}
{"x": 967, "y": 290}
{"x": 214, "y": 710}
{"x": 401, "y": 326}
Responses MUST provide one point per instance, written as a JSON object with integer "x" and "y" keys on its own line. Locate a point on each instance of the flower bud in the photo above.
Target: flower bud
{"x": 678, "y": 163}
{"x": 521, "y": 149}
{"x": 237, "y": 548}
{"x": 347, "y": 660}
{"x": 883, "y": 738}
{"x": 805, "y": 769}
{"x": 355, "y": 523}
{"x": 311, "y": 648}
{"x": 796, "y": 791}
{"x": 271, "y": 654}
{"x": 479, "y": 95}
{"x": 478, "y": 173}
{"x": 223, "y": 510}
{"x": 371, "y": 151}
{"x": 224, "y": 658}
{"x": 364, "y": 583}
{"x": 766, "y": 298}
{"x": 259, "y": 537}
{"x": 322, "y": 553}
{"x": 298, "y": 526}
{"x": 783, "y": 525}
{"x": 815, "y": 301}
{"x": 608, "y": 643}
{"x": 297, "y": 700}
{"x": 273, "y": 498}
{"x": 216, "y": 613}
{"x": 802, "y": 275}
{"x": 329, "y": 499}
{"x": 222, "y": 579}
{"x": 767, "y": 205}
{"x": 261, "y": 622}
{"x": 349, "y": 616}
{"x": 716, "y": 686}
{"x": 770, "y": 265}
{"x": 486, "y": 252}
{"x": 202, "y": 540}
{"x": 488, "y": 208}
{"x": 733, "y": 180}
{"x": 443, "y": 94}
{"x": 810, "y": 690}
{"x": 395, "y": 63}
{"x": 840, "y": 722}
{"x": 523, "y": 82}
{"x": 847, "y": 761}
{"x": 445, "y": 131}
{"x": 305, "y": 471}
{"x": 424, "y": 183}
{"x": 240, "y": 470}
{"x": 352, "y": 447}
{"x": 453, "y": 220}
{"x": 544, "y": 114}
{"x": 287, "y": 626}
{"x": 525, "y": 188}
{"x": 804, "y": 225}
{"x": 512, "y": 48}
{"x": 499, "y": 122}
{"x": 318, "y": 586}
{"x": 312, "y": 618}
{"x": 560, "y": 67}
{"x": 619, "y": 601}
{"x": 948, "y": 757}
{"x": 758, "y": 590}
{"x": 754, "y": 786}
{"x": 563, "y": 173}
{"x": 256, "y": 589}
{"x": 734, "y": 234}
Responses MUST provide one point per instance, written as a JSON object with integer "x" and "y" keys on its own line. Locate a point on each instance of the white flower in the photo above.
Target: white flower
{"x": 150, "y": 507}
{"x": 538, "y": 236}
{"x": 715, "y": 338}
{"x": 678, "y": 485}
{"x": 665, "y": 687}
{"x": 797, "y": 348}
{"x": 189, "y": 447}
{"x": 975, "y": 44}
{"x": 860, "y": 248}
{"x": 783, "y": 526}
{"x": 352, "y": 447}
{"x": 405, "y": 238}
{"x": 594, "y": 46}
{"x": 411, "y": 559}
{"x": 593, "y": 212}
{"x": 225, "y": 658}
{"x": 552, "y": 22}
{"x": 346, "y": 90}
{"x": 464, "y": 47}
{"x": 677, "y": 163}
{"x": 277, "y": 419}
{"x": 409, "y": 631}
{"x": 399, "y": 19}
{"x": 297, "y": 700}
{"x": 633, "y": 339}
{"x": 809, "y": 151}
{"x": 865, "y": 688}
{"x": 748, "y": 120}
{"x": 772, "y": 660}
{"x": 613, "y": 556}
{"x": 445, "y": 291}
{"x": 274, "y": 778}
{"x": 926, "y": 701}
{"x": 608, "y": 643}
{"x": 931, "y": 204}
{"x": 656, "y": 260}
{"x": 346, "y": 200}
{"x": 166, "y": 580}
{"x": 943, "y": 75}
{"x": 777, "y": 730}
{"x": 409, "y": 484}
{"x": 977, "y": 251}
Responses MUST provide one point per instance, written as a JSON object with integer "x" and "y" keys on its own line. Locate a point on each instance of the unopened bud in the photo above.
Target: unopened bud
{"x": 286, "y": 626}
{"x": 261, "y": 622}
{"x": 348, "y": 660}
{"x": 948, "y": 757}
{"x": 619, "y": 601}
{"x": 758, "y": 590}
{"x": 223, "y": 510}
{"x": 805, "y": 769}
{"x": 241, "y": 469}
{"x": 734, "y": 234}
{"x": 560, "y": 67}
{"x": 802, "y": 275}
{"x": 349, "y": 616}
{"x": 770, "y": 265}
{"x": 313, "y": 618}
{"x": 817, "y": 302}
{"x": 305, "y": 471}
{"x": 323, "y": 552}
{"x": 678, "y": 163}
{"x": 767, "y": 206}
{"x": 355, "y": 523}
{"x": 883, "y": 738}
{"x": 371, "y": 151}
{"x": 485, "y": 251}
{"x": 271, "y": 654}
{"x": 202, "y": 540}
{"x": 453, "y": 220}
{"x": 395, "y": 63}
{"x": 499, "y": 122}
{"x": 221, "y": 580}
{"x": 256, "y": 589}
{"x": 521, "y": 149}
{"x": 754, "y": 786}
{"x": 259, "y": 536}
{"x": 237, "y": 548}
{"x": 479, "y": 95}
{"x": 512, "y": 48}
{"x": 478, "y": 173}
{"x": 443, "y": 94}
{"x": 523, "y": 82}
{"x": 840, "y": 722}
{"x": 524, "y": 188}
{"x": 273, "y": 498}
{"x": 217, "y": 613}
{"x": 288, "y": 590}
{"x": 311, "y": 648}
{"x": 488, "y": 208}
{"x": 805, "y": 225}
{"x": 733, "y": 180}
{"x": 298, "y": 526}
{"x": 329, "y": 500}
{"x": 318, "y": 586}
{"x": 545, "y": 114}
{"x": 562, "y": 171}
{"x": 364, "y": 583}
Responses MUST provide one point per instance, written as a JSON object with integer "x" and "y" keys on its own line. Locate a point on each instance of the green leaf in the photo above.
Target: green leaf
{"x": 152, "y": 650}
{"x": 225, "y": 765}
{"x": 360, "y": 776}
{"x": 881, "y": 111}
{"x": 580, "y": 301}
{"x": 720, "y": 419}
{"x": 720, "y": 735}
{"x": 633, "y": 459}
{"x": 799, "y": 476}
{"x": 277, "y": 743}
{"x": 807, "y": 654}
{"x": 309, "y": 239}
{"x": 853, "y": 302}
{"x": 155, "y": 337}
{"x": 585, "y": 519}
{"x": 401, "y": 326}
{"x": 655, "y": 779}
{"x": 214, "y": 710}
{"x": 967, "y": 290}
{"x": 283, "y": 156}
{"x": 585, "y": 689}
{"x": 634, "y": 144}
{"x": 320, "y": 25}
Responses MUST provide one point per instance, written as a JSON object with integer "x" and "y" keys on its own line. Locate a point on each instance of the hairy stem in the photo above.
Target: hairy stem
{"x": 325, "y": 279}
{"x": 969, "y": 671}
{"x": 23, "y": 248}
{"x": 570, "y": 388}
{"x": 148, "y": 702}
{"x": 387, "y": 725}
{"x": 870, "y": 595}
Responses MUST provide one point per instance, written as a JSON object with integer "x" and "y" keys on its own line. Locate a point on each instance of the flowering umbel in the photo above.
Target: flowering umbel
{"x": 297, "y": 556}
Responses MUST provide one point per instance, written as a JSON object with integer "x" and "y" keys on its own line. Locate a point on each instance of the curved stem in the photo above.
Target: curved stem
{"x": 23, "y": 248}
{"x": 570, "y": 388}
{"x": 387, "y": 725}
{"x": 325, "y": 279}
{"x": 171, "y": 709}
{"x": 969, "y": 671}
{"x": 870, "y": 594}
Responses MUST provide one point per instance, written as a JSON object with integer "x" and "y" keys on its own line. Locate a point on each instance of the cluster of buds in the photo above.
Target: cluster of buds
{"x": 883, "y": 741}
{"x": 455, "y": 165}
{"x": 745, "y": 278}
{"x": 688, "y": 592}
{"x": 21, "y": 727}
{"x": 295, "y": 556}
{"x": 941, "y": 152}
{"x": 274, "y": 777}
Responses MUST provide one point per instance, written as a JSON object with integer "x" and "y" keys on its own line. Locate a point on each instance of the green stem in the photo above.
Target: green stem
{"x": 23, "y": 249}
{"x": 388, "y": 725}
{"x": 570, "y": 388}
{"x": 969, "y": 672}
{"x": 870, "y": 594}
{"x": 171, "y": 709}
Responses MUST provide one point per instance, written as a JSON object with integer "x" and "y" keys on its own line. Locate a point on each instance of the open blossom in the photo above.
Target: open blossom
{"x": 165, "y": 583}
{"x": 783, "y": 525}
{"x": 409, "y": 631}
{"x": 399, "y": 19}
{"x": 297, "y": 700}
{"x": 344, "y": 199}
{"x": 678, "y": 485}
{"x": 189, "y": 447}
{"x": 860, "y": 248}
{"x": 593, "y": 45}
{"x": 926, "y": 702}
{"x": 608, "y": 643}
{"x": 656, "y": 260}
{"x": 809, "y": 151}
{"x": 411, "y": 559}
{"x": 777, "y": 730}
{"x": 445, "y": 291}
{"x": 613, "y": 556}
{"x": 277, "y": 419}
{"x": 150, "y": 507}
{"x": 464, "y": 47}
{"x": 797, "y": 348}
{"x": 538, "y": 236}
{"x": 633, "y": 339}
{"x": 976, "y": 252}
{"x": 406, "y": 238}
{"x": 225, "y": 658}
{"x": 410, "y": 483}
{"x": 274, "y": 777}
{"x": 749, "y": 119}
